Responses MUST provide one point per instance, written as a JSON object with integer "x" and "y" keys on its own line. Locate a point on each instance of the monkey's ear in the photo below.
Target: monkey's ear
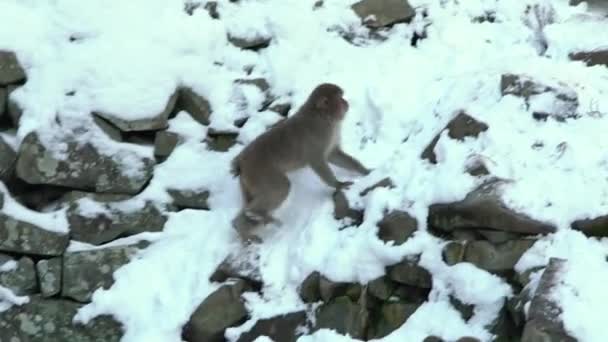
{"x": 323, "y": 102}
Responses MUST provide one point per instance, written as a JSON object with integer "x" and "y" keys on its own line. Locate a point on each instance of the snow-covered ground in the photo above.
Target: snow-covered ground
{"x": 131, "y": 55}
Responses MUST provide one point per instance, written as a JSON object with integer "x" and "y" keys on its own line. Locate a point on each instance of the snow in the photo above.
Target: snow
{"x": 128, "y": 58}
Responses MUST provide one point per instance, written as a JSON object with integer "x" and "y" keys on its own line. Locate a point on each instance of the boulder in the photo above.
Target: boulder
{"x": 496, "y": 258}
{"x": 596, "y": 227}
{"x": 483, "y": 208}
{"x": 109, "y": 219}
{"x": 8, "y": 158}
{"x": 309, "y": 289}
{"x": 21, "y": 280}
{"x": 343, "y": 316}
{"x": 408, "y": 272}
{"x": 49, "y": 273}
{"x": 3, "y": 101}
{"x": 86, "y": 271}
{"x": 381, "y": 288}
{"x": 284, "y": 328}
{"x": 389, "y": 318}
{"x": 591, "y": 58}
{"x": 197, "y": 106}
{"x": 110, "y": 130}
{"x": 10, "y": 69}
{"x": 83, "y": 167}
{"x": 153, "y": 122}
{"x": 397, "y": 226}
{"x": 381, "y": 13}
{"x": 164, "y": 144}
{"x": 249, "y": 43}
{"x": 44, "y": 320}
{"x": 220, "y": 141}
{"x": 25, "y": 238}
{"x": 196, "y": 199}
{"x": 330, "y": 289}
{"x": 220, "y": 310}
{"x": 462, "y": 126}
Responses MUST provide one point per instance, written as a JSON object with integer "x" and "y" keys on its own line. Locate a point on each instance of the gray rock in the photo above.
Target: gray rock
{"x": 12, "y": 107}
{"x": 220, "y": 310}
{"x": 284, "y": 328}
{"x": 460, "y": 127}
{"x": 411, "y": 294}
{"x": 385, "y": 12}
{"x": 256, "y": 43}
{"x": 343, "y": 210}
{"x": 45, "y": 320}
{"x": 564, "y": 99}
{"x": 49, "y": 276}
{"x": 516, "y": 306}
{"x": 110, "y": 130}
{"x": 281, "y": 108}
{"x": 390, "y": 317}
{"x": 25, "y": 238}
{"x": 591, "y": 58}
{"x": 244, "y": 264}
{"x": 1, "y": 200}
{"x": 397, "y": 226}
{"x": 544, "y": 322}
{"x": 502, "y": 327}
{"x": 154, "y": 122}
{"x": 596, "y": 227}
{"x": 496, "y": 258}
{"x": 477, "y": 168}
{"x": 86, "y": 271}
{"x": 330, "y": 289}
{"x": 164, "y": 144}
{"x": 483, "y": 208}
{"x": 197, "y": 106}
{"x": 10, "y": 69}
{"x": 344, "y": 316}
{"x": 8, "y": 157}
{"x": 381, "y": 288}
{"x": 408, "y": 272}
{"x": 113, "y": 222}
{"x": 196, "y": 199}
{"x": 309, "y": 289}
{"x": 453, "y": 253}
{"x": 263, "y": 85}
{"x": 498, "y": 236}
{"x": 220, "y": 141}
{"x": 3, "y": 101}
{"x": 84, "y": 168}
{"x": 22, "y": 280}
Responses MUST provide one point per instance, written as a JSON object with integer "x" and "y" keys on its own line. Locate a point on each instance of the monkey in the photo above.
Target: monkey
{"x": 309, "y": 138}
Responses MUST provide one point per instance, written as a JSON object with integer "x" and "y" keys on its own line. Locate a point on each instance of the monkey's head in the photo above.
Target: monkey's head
{"x": 327, "y": 99}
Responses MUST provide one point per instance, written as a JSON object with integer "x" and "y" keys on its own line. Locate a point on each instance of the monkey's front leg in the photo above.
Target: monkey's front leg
{"x": 344, "y": 160}
{"x": 322, "y": 169}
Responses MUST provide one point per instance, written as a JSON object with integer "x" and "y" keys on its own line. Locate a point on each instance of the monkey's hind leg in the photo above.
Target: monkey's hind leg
{"x": 267, "y": 197}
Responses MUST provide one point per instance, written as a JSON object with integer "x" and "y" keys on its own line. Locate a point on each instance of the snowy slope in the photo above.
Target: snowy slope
{"x": 132, "y": 54}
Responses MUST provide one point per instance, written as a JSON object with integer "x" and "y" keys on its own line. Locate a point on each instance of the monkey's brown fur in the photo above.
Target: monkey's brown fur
{"x": 309, "y": 138}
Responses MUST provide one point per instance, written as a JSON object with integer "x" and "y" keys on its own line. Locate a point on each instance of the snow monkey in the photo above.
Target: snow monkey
{"x": 309, "y": 138}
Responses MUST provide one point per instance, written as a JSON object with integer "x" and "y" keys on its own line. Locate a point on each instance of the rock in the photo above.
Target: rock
{"x": 544, "y": 314}
{"x": 558, "y": 101}
{"x": 411, "y": 294}
{"x": 477, "y": 168}
{"x": 86, "y": 271}
{"x": 453, "y": 253}
{"x": 259, "y": 42}
{"x": 381, "y": 13}
{"x": 498, "y": 236}
{"x": 21, "y": 280}
{"x": 329, "y": 289}
{"x": 596, "y": 227}
{"x": 384, "y": 183}
{"x": 503, "y": 328}
{"x": 466, "y": 310}
{"x": 408, "y": 272}
{"x": 8, "y": 157}
{"x": 196, "y": 199}
{"x": 591, "y": 58}
{"x": 284, "y": 328}
{"x": 197, "y": 106}
{"x": 496, "y": 258}
{"x": 281, "y": 108}
{"x": 263, "y": 85}
{"x": 309, "y": 289}
{"x": 433, "y": 339}
{"x": 3, "y": 101}
{"x": 110, "y": 130}
{"x": 154, "y": 122}
{"x": 44, "y": 320}
{"x": 483, "y": 208}
{"x": 344, "y": 316}
{"x": 398, "y": 226}
{"x": 381, "y": 288}
{"x": 10, "y": 69}
{"x": 35, "y": 197}
{"x": 516, "y": 306}
{"x": 12, "y": 107}
{"x": 460, "y": 127}
{"x": 220, "y": 141}
{"x": 25, "y": 238}
{"x": 164, "y": 144}
{"x": 49, "y": 275}
{"x": 83, "y": 167}
{"x": 111, "y": 220}
{"x": 220, "y": 310}
{"x": 390, "y": 317}
{"x": 342, "y": 209}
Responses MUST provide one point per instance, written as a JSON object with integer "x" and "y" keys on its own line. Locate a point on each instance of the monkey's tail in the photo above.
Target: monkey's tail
{"x": 235, "y": 168}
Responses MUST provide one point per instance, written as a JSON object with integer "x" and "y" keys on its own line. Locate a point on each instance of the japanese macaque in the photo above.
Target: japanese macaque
{"x": 309, "y": 138}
